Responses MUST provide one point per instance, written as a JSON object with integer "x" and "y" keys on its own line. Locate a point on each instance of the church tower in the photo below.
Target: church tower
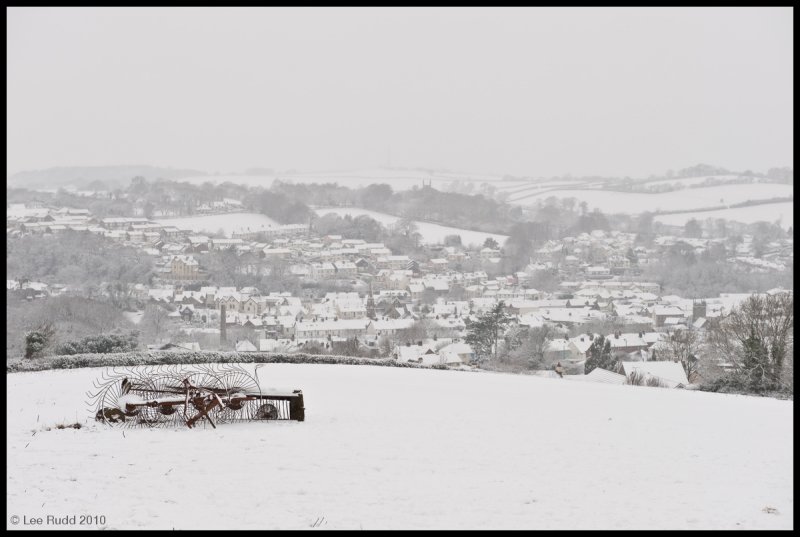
{"x": 371, "y": 304}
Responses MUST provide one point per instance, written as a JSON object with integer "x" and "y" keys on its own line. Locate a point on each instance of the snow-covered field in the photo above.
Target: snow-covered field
{"x": 514, "y": 187}
{"x": 134, "y": 316}
{"x": 768, "y": 212}
{"x": 531, "y": 192}
{"x": 229, "y": 223}
{"x": 520, "y": 194}
{"x": 688, "y": 181}
{"x": 431, "y": 233}
{"x": 694, "y": 198}
{"x": 390, "y": 448}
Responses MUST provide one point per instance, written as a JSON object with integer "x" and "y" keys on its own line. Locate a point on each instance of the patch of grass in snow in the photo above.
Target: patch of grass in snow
{"x": 75, "y": 425}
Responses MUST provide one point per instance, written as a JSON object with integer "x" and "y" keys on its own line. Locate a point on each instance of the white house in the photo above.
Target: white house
{"x": 670, "y": 374}
{"x": 457, "y": 354}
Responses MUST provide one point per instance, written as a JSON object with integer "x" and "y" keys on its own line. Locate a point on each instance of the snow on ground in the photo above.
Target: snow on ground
{"x": 391, "y": 448}
{"x": 134, "y": 316}
{"x": 228, "y": 222}
{"x": 533, "y": 190}
{"x": 694, "y": 198}
{"x": 768, "y": 212}
{"x": 431, "y": 233}
{"x": 515, "y": 187}
{"x": 688, "y": 181}
{"x": 507, "y": 186}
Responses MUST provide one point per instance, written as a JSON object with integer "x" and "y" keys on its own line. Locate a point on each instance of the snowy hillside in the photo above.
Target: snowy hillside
{"x": 530, "y": 192}
{"x": 767, "y": 212}
{"x": 230, "y": 223}
{"x": 693, "y": 198}
{"x": 431, "y": 233}
{"x": 387, "y": 448}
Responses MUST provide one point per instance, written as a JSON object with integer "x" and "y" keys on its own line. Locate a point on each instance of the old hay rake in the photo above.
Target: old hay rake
{"x": 177, "y": 395}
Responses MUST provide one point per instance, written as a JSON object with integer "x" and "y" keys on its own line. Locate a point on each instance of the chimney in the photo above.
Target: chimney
{"x": 222, "y": 322}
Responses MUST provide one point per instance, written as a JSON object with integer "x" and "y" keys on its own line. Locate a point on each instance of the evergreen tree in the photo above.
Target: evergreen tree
{"x": 37, "y": 341}
{"x": 490, "y": 242}
{"x": 599, "y": 355}
{"x": 755, "y": 357}
{"x": 484, "y": 333}
{"x": 693, "y": 229}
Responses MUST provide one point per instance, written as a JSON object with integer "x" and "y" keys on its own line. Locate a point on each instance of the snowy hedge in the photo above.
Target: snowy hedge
{"x": 169, "y": 357}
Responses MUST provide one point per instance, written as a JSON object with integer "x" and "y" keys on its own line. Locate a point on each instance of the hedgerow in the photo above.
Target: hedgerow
{"x": 169, "y": 357}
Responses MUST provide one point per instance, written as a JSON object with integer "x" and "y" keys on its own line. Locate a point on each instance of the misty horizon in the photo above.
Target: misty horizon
{"x": 266, "y": 170}
{"x": 536, "y": 92}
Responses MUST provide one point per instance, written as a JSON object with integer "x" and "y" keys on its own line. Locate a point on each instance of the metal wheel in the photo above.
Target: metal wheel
{"x": 267, "y": 412}
{"x": 111, "y": 415}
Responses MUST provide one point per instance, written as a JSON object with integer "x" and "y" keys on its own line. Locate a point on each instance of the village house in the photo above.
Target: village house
{"x": 343, "y": 328}
{"x": 627, "y": 342}
{"x": 277, "y": 253}
{"x": 322, "y": 271}
{"x": 184, "y": 267}
{"x": 457, "y": 354}
{"x": 661, "y": 315}
{"x": 345, "y": 269}
{"x": 396, "y": 262}
{"x": 222, "y": 244}
{"x": 668, "y": 374}
{"x": 391, "y": 327}
{"x": 122, "y": 223}
{"x": 416, "y": 354}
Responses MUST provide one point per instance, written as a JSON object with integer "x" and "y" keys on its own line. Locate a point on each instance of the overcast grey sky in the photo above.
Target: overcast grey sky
{"x": 525, "y": 91}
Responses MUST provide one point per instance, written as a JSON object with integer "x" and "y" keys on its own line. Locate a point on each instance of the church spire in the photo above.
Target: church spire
{"x": 371, "y": 304}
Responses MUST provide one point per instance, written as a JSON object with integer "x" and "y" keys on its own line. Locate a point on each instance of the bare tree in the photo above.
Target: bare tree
{"x": 418, "y": 331}
{"x": 682, "y": 346}
{"x": 385, "y": 345}
{"x": 761, "y": 321}
{"x": 349, "y": 347}
{"x": 528, "y": 346}
{"x": 154, "y": 321}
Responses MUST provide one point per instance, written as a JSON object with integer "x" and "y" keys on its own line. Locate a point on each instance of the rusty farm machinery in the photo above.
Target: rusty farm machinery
{"x": 177, "y": 395}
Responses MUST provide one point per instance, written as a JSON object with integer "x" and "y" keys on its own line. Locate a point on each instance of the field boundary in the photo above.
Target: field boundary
{"x": 20, "y": 365}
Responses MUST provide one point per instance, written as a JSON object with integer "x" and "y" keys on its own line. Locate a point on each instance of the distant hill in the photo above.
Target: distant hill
{"x": 82, "y": 176}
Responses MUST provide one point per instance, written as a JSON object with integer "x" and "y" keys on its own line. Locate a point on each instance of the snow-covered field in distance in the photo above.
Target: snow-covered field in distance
{"x": 768, "y": 212}
{"x": 530, "y": 192}
{"x": 391, "y": 448}
{"x": 431, "y": 233}
{"x": 228, "y": 222}
{"x": 691, "y": 198}
{"x": 134, "y": 316}
{"x": 521, "y": 193}
{"x": 688, "y": 181}
{"x": 397, "y": 179}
